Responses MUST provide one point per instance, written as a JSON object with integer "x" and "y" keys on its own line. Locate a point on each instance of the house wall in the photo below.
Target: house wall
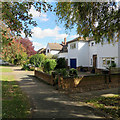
{"x": 63, "y": 55}
{"x": 119, "y": 53}
{"x": 103, "y": 51}
{"x": 53, "y": 52}
{"x": 80, "y": 53}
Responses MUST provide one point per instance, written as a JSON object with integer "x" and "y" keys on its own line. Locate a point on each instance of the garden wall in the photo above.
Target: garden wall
{"x": 89, "y": 83}
{"x": 45, "y": 77}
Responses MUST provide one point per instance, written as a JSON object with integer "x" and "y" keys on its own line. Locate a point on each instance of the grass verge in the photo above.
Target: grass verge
{"x": 110, "y": 105}
{"x": 15, "y": 103}
{"x": 5, "y": 69}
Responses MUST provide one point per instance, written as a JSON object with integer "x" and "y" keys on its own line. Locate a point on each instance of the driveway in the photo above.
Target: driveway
{"x": 47, "y": 102}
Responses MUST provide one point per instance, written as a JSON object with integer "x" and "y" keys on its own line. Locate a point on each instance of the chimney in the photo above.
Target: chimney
{"x": 64, "y": 41}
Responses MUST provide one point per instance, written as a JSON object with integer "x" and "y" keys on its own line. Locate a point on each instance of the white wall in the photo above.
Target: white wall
{"x": 80, "y": 53}
{"x": 63, "y": 55}
{"x": 105, "y": 50}
{"x": 119, "y": 53}
{"x": 53, "y": 52}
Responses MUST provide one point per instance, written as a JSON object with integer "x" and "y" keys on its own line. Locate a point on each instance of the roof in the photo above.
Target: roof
{"x": 81, "y": 39}
{"x": 64, "y": 49}
{"x": 42, "y": 50}
{"x": 55, "y": 46}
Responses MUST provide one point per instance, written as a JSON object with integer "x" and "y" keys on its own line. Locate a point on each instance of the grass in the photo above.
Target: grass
{"x": 15, "y": 104}
{"x": 110, "y": 105}
{"x": 5, "y": 69}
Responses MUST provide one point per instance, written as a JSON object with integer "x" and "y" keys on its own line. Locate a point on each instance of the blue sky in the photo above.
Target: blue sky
{"x": 47, "y": 30}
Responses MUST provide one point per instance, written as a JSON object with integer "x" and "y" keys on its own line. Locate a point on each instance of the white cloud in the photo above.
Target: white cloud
{"x": 37, "y": 45}
{"x": 42, "y": 33}
{"x": 36, "y": 14}
{"x": 74, "y": 36}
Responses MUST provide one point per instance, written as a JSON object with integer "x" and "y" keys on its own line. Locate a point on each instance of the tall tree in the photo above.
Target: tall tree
{"x": 97, "y": 19}
{"x": 28, "y": 45}
{"x": 15, "y": 15}
{"x": 14, "y": 52}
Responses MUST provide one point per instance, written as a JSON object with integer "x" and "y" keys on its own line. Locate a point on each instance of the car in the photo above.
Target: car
{"x": 2, "y": 62}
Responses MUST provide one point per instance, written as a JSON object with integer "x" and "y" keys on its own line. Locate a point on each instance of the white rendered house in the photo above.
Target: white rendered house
{"x": 87, "y": 53}
{"x": 53, "y": 48}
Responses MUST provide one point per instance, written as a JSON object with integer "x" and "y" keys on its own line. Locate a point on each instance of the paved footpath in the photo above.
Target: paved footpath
{"x": 47, "y": 102}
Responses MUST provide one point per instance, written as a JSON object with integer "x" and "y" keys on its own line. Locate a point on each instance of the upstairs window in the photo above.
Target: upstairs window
{"x": 72, "y": 46}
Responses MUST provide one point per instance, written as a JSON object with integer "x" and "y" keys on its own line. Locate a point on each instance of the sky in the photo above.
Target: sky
{"x": 47, "y": 30}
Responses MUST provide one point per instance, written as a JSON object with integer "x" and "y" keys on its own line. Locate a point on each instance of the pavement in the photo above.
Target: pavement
{"x": 47, "y": 102}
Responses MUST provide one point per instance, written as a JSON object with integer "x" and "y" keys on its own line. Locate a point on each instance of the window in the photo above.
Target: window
{"x": 91, "y": 61}
{"x": 48, "y": 51}
{"x": 72, "y": 46}
{"x": 108, "y": 61}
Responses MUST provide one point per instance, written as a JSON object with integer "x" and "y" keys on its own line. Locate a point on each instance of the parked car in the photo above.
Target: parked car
{"x": 2, "y": 62}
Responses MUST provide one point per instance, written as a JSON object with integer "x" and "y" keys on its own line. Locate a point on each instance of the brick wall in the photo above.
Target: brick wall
{"x": 45, "y": 77}
{"x": 89, "y": 83}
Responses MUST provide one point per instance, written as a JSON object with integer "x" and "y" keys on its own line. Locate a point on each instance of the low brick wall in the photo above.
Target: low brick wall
{"x": 45, "y": 77}
{"x": 89, "y": 83}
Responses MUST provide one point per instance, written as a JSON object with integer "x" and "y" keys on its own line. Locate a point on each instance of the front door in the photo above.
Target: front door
{"x": 73, "y": 63}
{"x": 94, "y": 61}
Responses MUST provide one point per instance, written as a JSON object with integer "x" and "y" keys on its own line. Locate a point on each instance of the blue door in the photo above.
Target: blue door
{"x": 73, "y": 63}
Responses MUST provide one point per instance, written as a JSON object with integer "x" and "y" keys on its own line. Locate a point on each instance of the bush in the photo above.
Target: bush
{"x": 61, "y": 63}
{"x": 37, "y": 59}
{"x": 63, "y": 72}
{"x": 73, "y": 72}
{"x": 49, "y": 65}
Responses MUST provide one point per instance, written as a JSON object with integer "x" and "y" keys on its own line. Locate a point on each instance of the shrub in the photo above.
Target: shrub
{"x": 61, "y": 63}
{"x": 63, "y": 72}
{"x": 73, "y": 72}
{"x": 37, "y": 59}
{"x": 49, "y": 65}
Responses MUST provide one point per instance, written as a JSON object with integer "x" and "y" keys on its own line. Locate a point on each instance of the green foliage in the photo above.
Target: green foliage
{"x": 15, "y": 15}
{"x": 85, "y": 15}
{"x": 63, "y": 72}
{"x": 49, "y": 65}
{"x": 37, "y": 59}
{"x": 73, "y": 72}
{"x": 61, "y": 63}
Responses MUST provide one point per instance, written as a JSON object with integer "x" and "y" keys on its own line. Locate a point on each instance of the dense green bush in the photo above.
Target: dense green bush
{"x": 37, "y": 59}
{"x": 63, "y": 72}
{"x": 61, "y": 63}
{"x": 49, "y": 65}
{"x": 73, "y": 72}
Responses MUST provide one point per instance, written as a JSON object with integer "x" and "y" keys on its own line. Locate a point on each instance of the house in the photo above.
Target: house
{"x": 78, "y": 52}
{"x": 53, "y": 48}
{"x": 41, "y": 51}
{"x": 87, "y": 53}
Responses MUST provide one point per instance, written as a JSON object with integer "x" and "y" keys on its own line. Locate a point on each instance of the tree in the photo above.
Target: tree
{"x": 15, "y": 16}
{"x": 37, "y": 59}
{"x": 28, "y": 45}
{"x": 14, "y": 52}
{"x": 85, "y": 15}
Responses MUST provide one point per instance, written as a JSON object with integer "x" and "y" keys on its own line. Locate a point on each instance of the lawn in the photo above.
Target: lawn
{"x": 3, "y": 69}
{"x": 110, "y": 105}
{"x": 15, "y": 104}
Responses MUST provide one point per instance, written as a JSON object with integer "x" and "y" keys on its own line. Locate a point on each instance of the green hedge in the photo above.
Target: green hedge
{"x": 49, "y": 65}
